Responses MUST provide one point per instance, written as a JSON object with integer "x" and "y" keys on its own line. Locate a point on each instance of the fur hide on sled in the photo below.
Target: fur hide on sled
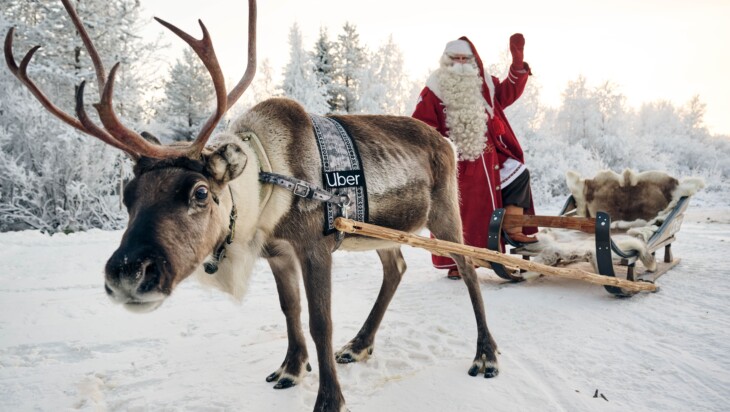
{"x": 638, "y": 203}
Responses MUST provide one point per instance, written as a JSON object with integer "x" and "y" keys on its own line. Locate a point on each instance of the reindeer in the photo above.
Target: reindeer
{"x": 185, "y": 201}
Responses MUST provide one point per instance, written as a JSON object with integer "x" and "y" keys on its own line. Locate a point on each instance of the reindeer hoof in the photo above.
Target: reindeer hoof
{"x": 285, "y": 379}
{"x": 489, "y": 369}
{"x": 274, "y": 376}
{"x": 345, "y": 358}
{"x": 284, "y": 383}
{"x": 348, "y": 355}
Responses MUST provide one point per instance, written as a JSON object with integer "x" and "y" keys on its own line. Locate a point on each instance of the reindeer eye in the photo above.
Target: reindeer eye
{"x": 201, "y": 193}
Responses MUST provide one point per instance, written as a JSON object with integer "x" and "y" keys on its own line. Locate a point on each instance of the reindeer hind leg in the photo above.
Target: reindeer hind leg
{"x": 444, "y": 222}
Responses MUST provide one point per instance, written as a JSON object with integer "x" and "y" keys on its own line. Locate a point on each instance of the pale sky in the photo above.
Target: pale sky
{"x": 652, "y": 49}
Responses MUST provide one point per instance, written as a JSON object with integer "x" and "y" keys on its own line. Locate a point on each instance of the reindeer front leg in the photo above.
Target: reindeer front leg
{"x": 316, "y": 264}
{"x": 285, "y": 267}
{"x": 361, "y": 346}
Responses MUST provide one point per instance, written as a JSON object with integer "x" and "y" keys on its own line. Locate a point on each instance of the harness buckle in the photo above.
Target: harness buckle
{"x": 301, "y": 190}
{"x": 345, "y": 205}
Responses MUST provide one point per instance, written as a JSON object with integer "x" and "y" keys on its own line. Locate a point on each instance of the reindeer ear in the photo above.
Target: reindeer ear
{"x": 151, "y": 138}
{"x": 226, "y": 162}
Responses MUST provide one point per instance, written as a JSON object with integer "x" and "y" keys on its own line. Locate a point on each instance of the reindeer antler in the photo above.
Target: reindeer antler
{"x": 21, "y": 73}
{"x": 204, "y": 49}
{"x": 114, "y": 132}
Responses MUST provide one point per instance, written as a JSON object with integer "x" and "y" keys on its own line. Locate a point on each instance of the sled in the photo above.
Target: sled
{"x": 627, "y": 268}
{"x": 624, "y": 278}
{"x": 648, "y": 208}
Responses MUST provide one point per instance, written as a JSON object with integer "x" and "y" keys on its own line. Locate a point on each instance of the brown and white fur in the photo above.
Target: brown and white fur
{"x": 410, "y": 172}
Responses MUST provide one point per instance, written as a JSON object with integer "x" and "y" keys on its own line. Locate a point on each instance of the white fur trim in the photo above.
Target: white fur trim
{"x": 458, "y": 47}
{"x": 490, "y": 87}
{"x": 511, "y": 169}
{"x": 489, "y": 182}
{"x": 433, "y": 84}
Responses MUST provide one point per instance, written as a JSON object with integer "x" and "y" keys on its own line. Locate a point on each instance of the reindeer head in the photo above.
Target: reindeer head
{"x": 177, "y": 203}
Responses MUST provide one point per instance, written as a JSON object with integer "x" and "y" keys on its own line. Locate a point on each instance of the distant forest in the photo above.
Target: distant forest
{"x": 53, "y": 178}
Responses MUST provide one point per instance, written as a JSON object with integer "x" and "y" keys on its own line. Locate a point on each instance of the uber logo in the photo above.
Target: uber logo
{"x": 345, "y": 178}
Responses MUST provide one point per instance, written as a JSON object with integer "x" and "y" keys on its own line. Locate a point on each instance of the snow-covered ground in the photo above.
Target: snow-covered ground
{"x": 65, "y": 346}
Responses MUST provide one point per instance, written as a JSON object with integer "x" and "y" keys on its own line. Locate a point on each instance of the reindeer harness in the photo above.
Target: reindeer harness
{"x": 342, "y": 175}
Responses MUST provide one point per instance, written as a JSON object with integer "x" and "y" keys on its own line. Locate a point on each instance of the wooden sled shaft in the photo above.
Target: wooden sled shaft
{"x": 441, "y": 247}
{"x": 584, "y": 224}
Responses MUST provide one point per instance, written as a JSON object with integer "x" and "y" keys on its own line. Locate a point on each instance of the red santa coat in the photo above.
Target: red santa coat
{"x": 479, "y": 180}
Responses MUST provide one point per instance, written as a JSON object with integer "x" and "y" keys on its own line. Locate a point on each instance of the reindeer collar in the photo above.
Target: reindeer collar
{"x": 211, "y": 266}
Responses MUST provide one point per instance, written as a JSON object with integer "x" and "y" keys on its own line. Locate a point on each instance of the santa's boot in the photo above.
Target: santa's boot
{"x": 515, "y": 233}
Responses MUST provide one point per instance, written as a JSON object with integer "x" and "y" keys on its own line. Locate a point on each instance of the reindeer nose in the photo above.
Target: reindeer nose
{"x": 132, "y": 274}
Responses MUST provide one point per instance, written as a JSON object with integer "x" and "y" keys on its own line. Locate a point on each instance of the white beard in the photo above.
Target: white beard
{"x": 466, "y": 109}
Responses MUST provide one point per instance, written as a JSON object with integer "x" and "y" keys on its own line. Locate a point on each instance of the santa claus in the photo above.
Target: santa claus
{"x": 467, "y": 106}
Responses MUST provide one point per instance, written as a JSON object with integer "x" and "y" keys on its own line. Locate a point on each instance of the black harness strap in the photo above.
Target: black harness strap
{"x": 342, "y": 172}
{"x": 303, "y": 188}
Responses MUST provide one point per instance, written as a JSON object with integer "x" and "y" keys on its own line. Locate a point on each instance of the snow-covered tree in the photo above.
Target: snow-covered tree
{"x": 384, "y": 85}
{"x": 53, "y": 177}
{"x": 62, "y": 62}
{"x": 300, "y": 81}
{"x": 371, "y": 89}
{"x": 579, "y": 117}
{"x": 597, "y": 119}
{"x": 189, "y": 97}
{"x": 679, "y": 134}
{"x": 263, "y": 86}
{"x": 324, "y": 61}
{"x": 693, "y": 114}
{"x": 349, "y": 64}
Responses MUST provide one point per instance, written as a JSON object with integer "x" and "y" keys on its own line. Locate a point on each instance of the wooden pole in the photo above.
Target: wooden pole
{"x": 584, "y": 224}
{"x": 444, "y": 248}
